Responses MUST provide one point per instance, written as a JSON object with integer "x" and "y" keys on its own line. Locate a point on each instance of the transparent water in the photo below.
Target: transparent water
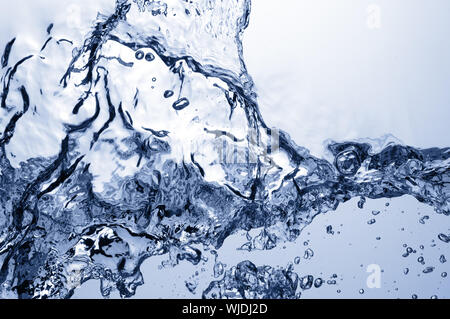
{"x": 138, "y": 134}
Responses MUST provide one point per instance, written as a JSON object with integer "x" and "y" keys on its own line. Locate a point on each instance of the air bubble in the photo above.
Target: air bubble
{"x": 139, "y": 55}
{"x": 428, "y": 270}
{"x": 168, "y": 93}
{"x": 180, "y": 104}
{"x": 361, "y": 202}
{"x": 309, "y": 253}
{"x": 444, "y": 238}
{"x": 149, "y": 57}
{"x": 306, "y": 282}
{"x": 318, "y": 282}
{"x": 347, "y": 162}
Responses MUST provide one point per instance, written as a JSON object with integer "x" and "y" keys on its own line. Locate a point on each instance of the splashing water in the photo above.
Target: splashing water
{"x": 145, "y": 139}
{"x": 251, "y": 282}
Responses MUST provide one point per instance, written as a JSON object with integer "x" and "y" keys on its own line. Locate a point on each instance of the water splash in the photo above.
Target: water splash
{"x": 146, "y": 139}
{"x": 250, "y": 282}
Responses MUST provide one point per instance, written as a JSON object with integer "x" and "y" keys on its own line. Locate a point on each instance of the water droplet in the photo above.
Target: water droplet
{"x": 139, "y": 55}
{"x": 347, "y": 162}
{"x": 444, "y": 238}
{"x": 306, "y": 282}
{"x": 428, "y": 270}
{"x": 297, "y": 260}
{"x": 330, "y": 230}
{"x": 218, "y": 269}
{"x": 180, "y": 104}
{"x": 372, "y": 221}
{"x": 309, "y": 253}
{"x": 423, "y": 219}
{"x": 168, "y": 93}
{"x": 191, "y": 286}
{"x": 318, "y": 282}
{"x": 149, "y": 57}
{"x": 361, "y": 202}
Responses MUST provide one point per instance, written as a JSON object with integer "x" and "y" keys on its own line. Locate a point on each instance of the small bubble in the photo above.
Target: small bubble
{"x": 361, "y": 291}
{"x": 361, "y": 202}
{"x": 444, "y": 238}
{"x": 421, "y": 260}
{"x": 434, "y": 297}
{"x": 406, "y": 271}
{"x": 306, "y": 282}
{"x": 414, "y": 296}
{"x": 139, "y": 55}
{"x": 330, "y": 230}
{"x": 375, "y": 212}
{"x": 347, "y": 162}
{"x": 387, "y": 204}
{"x": 428, "y": 270}
{"x": 180, "y": 104}
{"x": 154, "y": 79}
{"x": 318, "y": 282}
{"x": 309, "y": 253}
{"x": 297, "y": 260}
{"x": 168, "y": 93}
{"x": 218, "y": 269}
{"x": 442, "y": 259}
{"x": 372, "y": 221}
{"x": 149, "y": 57}
{"x": 423, "y": 219}
{"x": 444, "y": 274}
